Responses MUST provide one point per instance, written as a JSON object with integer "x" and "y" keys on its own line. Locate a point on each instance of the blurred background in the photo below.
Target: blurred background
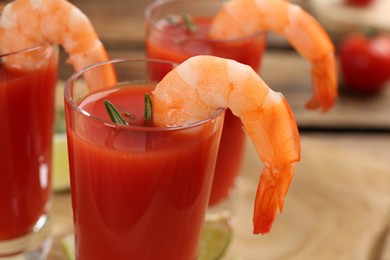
{"x": 338, "y": 206}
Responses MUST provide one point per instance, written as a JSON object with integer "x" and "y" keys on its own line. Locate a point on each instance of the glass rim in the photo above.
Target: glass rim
{"x": 25, "y": 50}
{"x": 76, "y": 75}
{"x": 156, "y": 4}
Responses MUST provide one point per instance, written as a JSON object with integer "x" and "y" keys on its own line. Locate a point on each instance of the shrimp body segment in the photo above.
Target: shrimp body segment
{"x": 27, "y": 23}
{"x": 238, "y": 18}
{"x": 202, "y": 84}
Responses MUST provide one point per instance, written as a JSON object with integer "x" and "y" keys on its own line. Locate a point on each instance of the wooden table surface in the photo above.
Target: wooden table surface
{"x": 338, "y": 206}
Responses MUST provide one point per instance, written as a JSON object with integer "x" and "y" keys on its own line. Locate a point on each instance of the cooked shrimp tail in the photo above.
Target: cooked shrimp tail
{"x": 324, "y": 83}
{"x": 239, "y": 18}
{"x": 27, "y": 23}
{"x": 196, "y": 88}
{"x": 271, "y": 191}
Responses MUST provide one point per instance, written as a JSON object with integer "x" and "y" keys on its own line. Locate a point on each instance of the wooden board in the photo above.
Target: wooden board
{"x": 338, "y": 206}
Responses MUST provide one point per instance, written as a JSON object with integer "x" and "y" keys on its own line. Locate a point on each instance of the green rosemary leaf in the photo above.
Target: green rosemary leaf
{"x": 115, "y": 116}
{"x": 189, "y": 24}
{"x": 148, "y": 114}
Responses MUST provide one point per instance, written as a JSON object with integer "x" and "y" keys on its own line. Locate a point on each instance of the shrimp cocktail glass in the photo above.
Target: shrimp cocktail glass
{"x": 139, "y": 191}
{"x": 26, "y": 134}
{"x": 29, "y": 34}
{"x": 177, "y": 30}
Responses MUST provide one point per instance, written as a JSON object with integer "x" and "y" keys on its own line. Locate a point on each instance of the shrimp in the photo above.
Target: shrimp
{"x": 239, "y": 18}
{"x": 196, "y": 88}
{"x": 28, "y": 23}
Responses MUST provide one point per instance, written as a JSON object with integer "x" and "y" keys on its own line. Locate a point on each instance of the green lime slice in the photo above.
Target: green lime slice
{"x": 216, "y": 237}
{"x": 60, "y": 163}
{"x": 67, "y": 243}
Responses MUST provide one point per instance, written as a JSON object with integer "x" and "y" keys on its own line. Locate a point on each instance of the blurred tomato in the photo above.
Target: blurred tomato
{"x": 359, "y": 2}
{"x": 365, "y": 62}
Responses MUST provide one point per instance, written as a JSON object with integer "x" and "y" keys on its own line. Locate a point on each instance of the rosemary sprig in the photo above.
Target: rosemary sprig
{"x": 116, "y": 117}
{"x": 189, "y": 24}
{"x": 148, "y": 114}
{"x": 114, "y": 114}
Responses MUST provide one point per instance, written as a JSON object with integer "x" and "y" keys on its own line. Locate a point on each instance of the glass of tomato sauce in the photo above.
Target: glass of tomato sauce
{"x": 138, "y": 191}
{"x": 177, "y": 30}
{"x": 27, "y": 86}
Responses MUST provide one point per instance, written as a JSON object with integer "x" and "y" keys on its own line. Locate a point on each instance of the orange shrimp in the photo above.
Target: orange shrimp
{"x": 27, "y": 23}
{"x": 202, "y": 84}
{"x": 238, "y": 18}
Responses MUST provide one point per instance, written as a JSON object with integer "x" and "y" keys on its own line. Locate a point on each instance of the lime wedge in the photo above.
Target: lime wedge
{"x": 60, "y": 163}
{"x": 216, "y": 237}
{"x": 67, "y": 243}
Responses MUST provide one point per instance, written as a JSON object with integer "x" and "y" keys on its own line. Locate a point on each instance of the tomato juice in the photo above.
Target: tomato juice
{"x": 26, "y": 134}
{"x": 137, "y": 192}
{"x": 175, "y": 42}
